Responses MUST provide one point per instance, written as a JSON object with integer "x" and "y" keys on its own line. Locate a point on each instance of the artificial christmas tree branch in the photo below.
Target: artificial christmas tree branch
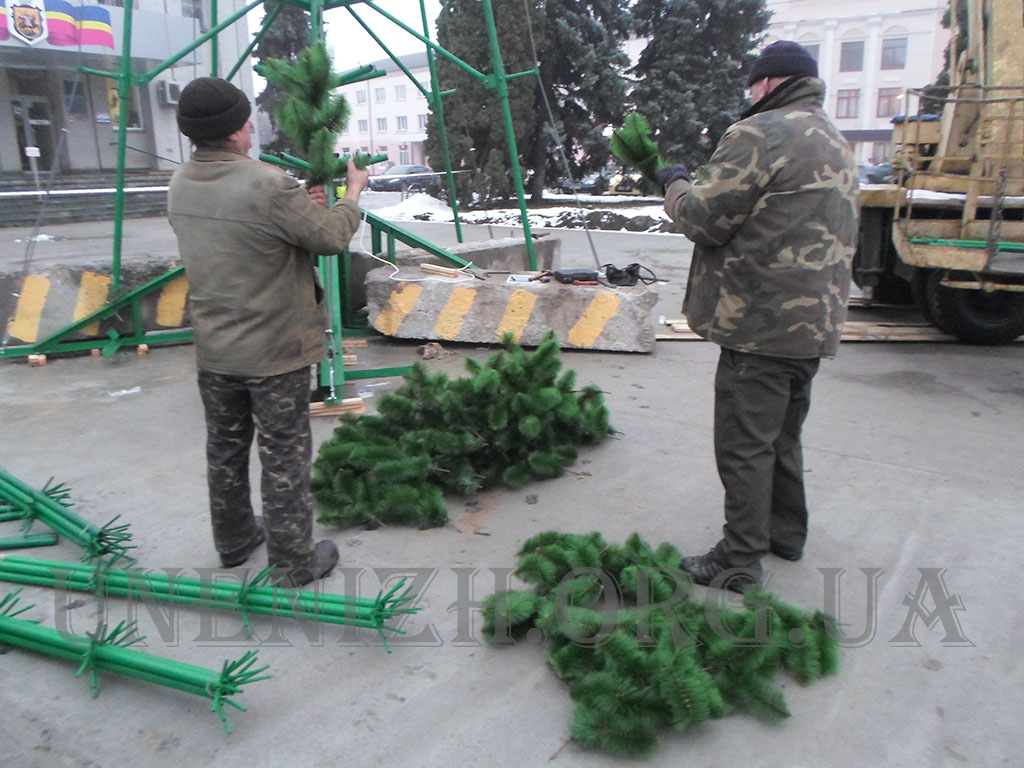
{"x": 663, "y": 660}
{"x": 256, "y": 596}
{"x": 51, "y": 507}
{"x": 107, "y": 650}
{"x": 515, "y": 419}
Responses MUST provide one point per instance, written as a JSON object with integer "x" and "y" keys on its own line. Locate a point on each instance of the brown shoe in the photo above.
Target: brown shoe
{"x": 325, "y": 557}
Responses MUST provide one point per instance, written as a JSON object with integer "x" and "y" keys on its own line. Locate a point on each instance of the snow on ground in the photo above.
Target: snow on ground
{"x": 646, "y": 216}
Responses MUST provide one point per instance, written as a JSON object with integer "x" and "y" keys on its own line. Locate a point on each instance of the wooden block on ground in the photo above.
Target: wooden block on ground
{"x": 357, "y": 342}
{"x": 349, "y": 359}
{"x": 143, "y": 349}
{"x": 347, "y": 405}
{"x": 35, "y": 361}
{"x": 437, "y": 269}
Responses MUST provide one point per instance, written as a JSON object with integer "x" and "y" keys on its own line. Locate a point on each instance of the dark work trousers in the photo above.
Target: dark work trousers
{"x": 760, "y": 406}
{"x": 277, "y": 408}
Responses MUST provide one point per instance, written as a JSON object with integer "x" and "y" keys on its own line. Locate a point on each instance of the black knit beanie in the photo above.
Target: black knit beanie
{"x": 211, "y": 108}
{"x": 783, "y": 59}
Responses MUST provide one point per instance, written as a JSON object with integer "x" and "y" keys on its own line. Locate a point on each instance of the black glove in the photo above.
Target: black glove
{"x": 669, "y": 173}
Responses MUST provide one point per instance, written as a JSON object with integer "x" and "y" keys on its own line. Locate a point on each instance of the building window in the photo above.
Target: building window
{"x": 881, "y": 152}
{"x": 894, "y": 53}
{"x": 364, "y": 126}
{"x": 403, "y": 123}
{"x": 382, "y": 123}
{"x": 346, "y": 151}
{"x": 813, "y": 49}
{"x": 851, "y": 57}
{"x": 380, "y": 95}
{"x": 889, "y": 101}
{"x": 848, "y": 103}
{"x": 382, "y": 150}
{"x": 190, "y": 9}
{"x": 74, "y": 98}
{"x": 423, "y": 122}
{"x": 403, "y": 154}
{"x": 399, "y": 93}
{"x": 360, "y": 97}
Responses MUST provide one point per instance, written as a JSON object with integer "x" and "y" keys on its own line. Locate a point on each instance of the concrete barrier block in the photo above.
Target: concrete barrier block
{"x": 411, "y": 304}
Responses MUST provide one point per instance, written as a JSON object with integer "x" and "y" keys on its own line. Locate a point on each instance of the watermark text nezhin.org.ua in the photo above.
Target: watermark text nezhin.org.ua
{"x": 931, "y": 605}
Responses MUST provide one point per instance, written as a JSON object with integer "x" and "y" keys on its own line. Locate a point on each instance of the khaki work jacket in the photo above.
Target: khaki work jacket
{"x": 246, "y": 233}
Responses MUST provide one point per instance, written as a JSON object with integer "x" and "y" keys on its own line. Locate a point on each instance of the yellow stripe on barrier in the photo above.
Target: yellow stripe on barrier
{"x": 170, "y": 307}
{"x": 449, "y": 322}
{"x": 92, "y": 295}
{"x": 25, "y": 325}
{"x": 517, "y": 314}
{"x": 400, "y": 304}
{"x": 598, "y": 313}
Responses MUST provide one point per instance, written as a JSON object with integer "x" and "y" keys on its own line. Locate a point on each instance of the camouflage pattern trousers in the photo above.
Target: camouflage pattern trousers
{"x": 276, "y": 408}
{"x": 761, "y": 403}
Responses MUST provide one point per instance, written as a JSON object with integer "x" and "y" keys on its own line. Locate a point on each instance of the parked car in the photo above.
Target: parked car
{"x": 404, "y": 178}
{"x": 876, "y": 174}
{"x": 593, "y": 183}
{"x": 626, "y": 183}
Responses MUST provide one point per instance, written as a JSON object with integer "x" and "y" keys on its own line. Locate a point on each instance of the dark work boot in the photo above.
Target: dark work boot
{"x": 785, "y": 554}
{"x": 240, "y": 555}
{"x": 707, "y": 572}
{"x": 325, "y": 557}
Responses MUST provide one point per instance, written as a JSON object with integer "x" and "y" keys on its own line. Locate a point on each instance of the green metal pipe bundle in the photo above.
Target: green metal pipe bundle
{"x": 107, "y": 651}
{"x": 256, "y": 596}
{"x": 50, "y": 507}
{"x": 29, "y": 540}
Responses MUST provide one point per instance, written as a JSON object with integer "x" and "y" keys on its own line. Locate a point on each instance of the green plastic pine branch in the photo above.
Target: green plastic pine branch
{"x": 665, "y": 659}
{"x": 513, "y": 420}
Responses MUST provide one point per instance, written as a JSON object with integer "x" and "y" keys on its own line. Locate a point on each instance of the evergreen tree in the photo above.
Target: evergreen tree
{"x": 288, "y": 35}
{"x": 692, "y": 73}
{"x": 940, "y": 88}
{"x": 476, "y": 131}
{"x": 581, "y": 67}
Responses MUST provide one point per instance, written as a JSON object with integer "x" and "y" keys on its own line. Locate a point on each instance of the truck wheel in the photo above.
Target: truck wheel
{"x": 977, "y": 317}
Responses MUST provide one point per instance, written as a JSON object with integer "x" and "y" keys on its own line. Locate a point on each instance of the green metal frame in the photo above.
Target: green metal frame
{"x": 334, "y": 270}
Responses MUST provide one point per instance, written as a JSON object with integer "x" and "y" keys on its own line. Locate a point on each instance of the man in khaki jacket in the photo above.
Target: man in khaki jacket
{"x": 247, "y": 233}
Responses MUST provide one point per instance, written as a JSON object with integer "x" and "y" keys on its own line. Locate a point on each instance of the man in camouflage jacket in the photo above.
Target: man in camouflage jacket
{"x": 773, "y": 218}
{"x": 246, "y": 232}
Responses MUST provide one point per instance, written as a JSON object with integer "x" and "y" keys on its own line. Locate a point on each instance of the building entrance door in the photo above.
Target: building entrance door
{"x": 33, "y": 126}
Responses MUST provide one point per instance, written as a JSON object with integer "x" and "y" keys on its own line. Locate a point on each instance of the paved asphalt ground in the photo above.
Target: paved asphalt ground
{"x": 913, "y": 468}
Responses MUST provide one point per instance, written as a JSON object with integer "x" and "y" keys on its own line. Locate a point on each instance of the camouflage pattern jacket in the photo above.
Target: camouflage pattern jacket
{"x": 773, "y": 217}
{"x": 245, "y": 232}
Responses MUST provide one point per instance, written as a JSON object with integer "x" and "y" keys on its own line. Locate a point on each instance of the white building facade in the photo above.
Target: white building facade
{"x": 869, "y": 53}
{"x": 389, "y": 114}
{"x": 68, "y": 119}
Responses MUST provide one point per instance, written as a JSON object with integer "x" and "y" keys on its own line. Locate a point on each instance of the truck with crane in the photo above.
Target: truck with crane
{"x": 948, "y": 232}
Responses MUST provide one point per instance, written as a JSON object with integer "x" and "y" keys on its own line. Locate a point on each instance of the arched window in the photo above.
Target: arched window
{"x": 851, "y": 52}
{"x": 894, "y": 48}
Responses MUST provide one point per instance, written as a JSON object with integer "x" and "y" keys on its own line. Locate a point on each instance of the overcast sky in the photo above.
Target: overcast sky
{"x": 353, "y": 46}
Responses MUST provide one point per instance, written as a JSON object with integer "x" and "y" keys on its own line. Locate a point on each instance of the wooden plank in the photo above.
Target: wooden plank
{"x": 437, "y": 269}
{"x": 852, "y": 331}
{"x": 347, "y": 405}
{"x": 349, "y": 359}
{"x": 356, "y": 342}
